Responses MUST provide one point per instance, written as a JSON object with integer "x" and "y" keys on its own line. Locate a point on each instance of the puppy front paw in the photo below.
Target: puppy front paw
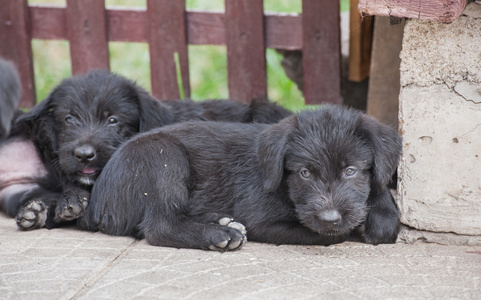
{"x": 32, "y": 215}
{"x": 229, "y": 222}
{"x": 381, "y": 227}
{"x": 71, "y": 206}
{"x": 230, "y": 236}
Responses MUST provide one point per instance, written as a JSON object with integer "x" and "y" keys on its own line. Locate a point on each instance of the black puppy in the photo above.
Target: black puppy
{"x": 313, "y": 178}
{"x": 73, "y": 132}
{"x": 76, "y": 129}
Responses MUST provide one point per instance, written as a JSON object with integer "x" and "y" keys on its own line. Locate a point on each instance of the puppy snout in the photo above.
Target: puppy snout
{"x": 330, "y": 217}
{"x": 84, "y": 153}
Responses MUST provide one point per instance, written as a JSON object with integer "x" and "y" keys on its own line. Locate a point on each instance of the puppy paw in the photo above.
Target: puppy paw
{"x": 230, "y": 236}
{"x": 229, "y": 222}
{"x": 71, "y": 206}
{"x": 381, "y": 229}
{"x": 33, "y": 215}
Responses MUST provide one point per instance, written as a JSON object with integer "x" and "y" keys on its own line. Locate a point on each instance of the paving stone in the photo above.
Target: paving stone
{"x": 70, "y": 264}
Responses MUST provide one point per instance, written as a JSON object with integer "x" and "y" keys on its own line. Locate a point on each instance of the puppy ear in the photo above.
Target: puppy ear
{"x": 39, "y": 116}
{"x": 39, "y": 125}
{"x": 271, "y": 148}
{"x": 153, "y": 113}
{"x": 386, "y": 144}
{"x": 42, "y": 109}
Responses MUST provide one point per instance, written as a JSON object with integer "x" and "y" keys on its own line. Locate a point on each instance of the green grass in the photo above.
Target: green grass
{"x": 207, "y": 64}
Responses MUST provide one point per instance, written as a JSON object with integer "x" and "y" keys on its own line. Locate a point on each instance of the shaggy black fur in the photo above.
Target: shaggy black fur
{"x": 313, "y": 178}
{"x": 78, "y": 127}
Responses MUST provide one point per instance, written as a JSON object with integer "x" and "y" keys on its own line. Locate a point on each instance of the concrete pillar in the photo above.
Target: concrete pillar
{"x": 440, "y": 121}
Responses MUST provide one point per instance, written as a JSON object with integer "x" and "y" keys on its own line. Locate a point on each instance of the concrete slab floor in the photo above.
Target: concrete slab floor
{"x": 71, "y": 264}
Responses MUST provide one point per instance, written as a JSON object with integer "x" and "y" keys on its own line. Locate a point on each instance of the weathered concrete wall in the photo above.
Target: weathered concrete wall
{"x": 440, "y": 120}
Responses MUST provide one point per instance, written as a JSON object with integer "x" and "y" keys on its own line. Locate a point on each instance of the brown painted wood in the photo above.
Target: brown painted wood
{"x": 48, "y": 22}
{"x": 360, "y": 44}
{"x": 384, "y": 82}
{"x": 87, "y": 32}
{"x": 321, "y": 51}
{"x": 283, "y": 32}
{"x": 444, "y": 11}
{"x": 15, "y": 45}
{"x": 127, "y": 25}
{"x": 246, "y": 62}
{"x": 203, "y": 28}
{"x": 167, "y": 35}
{"x": 243, "y": 29}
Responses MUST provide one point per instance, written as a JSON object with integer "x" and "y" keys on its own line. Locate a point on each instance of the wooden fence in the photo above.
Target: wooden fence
{"x": 168, "y": 28}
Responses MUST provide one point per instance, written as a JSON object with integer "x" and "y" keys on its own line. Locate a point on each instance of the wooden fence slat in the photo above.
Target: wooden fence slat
{"x": 246, "y": 61}
{"x": 48, "y": 23}
{"x": 87, "y": 31}
{"x": 205, "y": 28}
{"x": 15, "y": 45}
{"x": 321, "y": 51}
{"x": 127, "y": 25}
{"x": 243, "y": 29}
{"x": 284, "y": 32}
{"x": 167, "y": 35}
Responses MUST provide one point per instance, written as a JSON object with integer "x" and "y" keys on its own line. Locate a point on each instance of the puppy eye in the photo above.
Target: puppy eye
{"x": 69, "y": 119}
{"x": 112, "y": 120}
{"x": 350, "y": 172}
{"x": 305, "y": 173}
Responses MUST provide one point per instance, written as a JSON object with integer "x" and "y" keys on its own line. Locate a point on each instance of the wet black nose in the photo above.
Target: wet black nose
{"x": 84, "y": 153}
{"x": 331, "y": 216}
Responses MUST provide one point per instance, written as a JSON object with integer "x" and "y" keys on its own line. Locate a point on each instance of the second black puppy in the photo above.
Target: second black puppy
{"x": 313, "y": 178}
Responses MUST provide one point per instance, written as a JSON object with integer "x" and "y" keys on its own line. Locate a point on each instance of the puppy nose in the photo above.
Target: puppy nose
{"x": 331, "y": 216}
{"x": 84, "y": 153}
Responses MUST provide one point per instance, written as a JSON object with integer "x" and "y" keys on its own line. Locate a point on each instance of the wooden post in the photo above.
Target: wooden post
{"x": 246, "y": 61}
{"x": 167, "y": 36}
{"x": 87, "y": 33}
{"x": 360, "y": 43}
{"x": 444, "y": 11}
{"x": 15, "y": 45}
{"x": 384, "y": 82}
{"x": 321, "y": 51}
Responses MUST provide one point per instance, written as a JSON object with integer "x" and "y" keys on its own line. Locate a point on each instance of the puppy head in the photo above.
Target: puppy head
{"x": 330, "y": 160}
{"x": 88, "y": 117}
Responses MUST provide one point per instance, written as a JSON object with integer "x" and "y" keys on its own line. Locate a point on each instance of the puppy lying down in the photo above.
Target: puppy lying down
{"x": 316, "y": 177}
{"x": 56, "y": 151}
